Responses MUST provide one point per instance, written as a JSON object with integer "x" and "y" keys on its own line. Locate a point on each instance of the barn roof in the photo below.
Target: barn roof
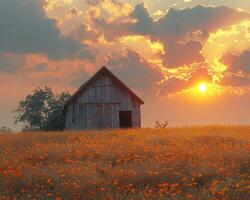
{"x": 93, "y": 77}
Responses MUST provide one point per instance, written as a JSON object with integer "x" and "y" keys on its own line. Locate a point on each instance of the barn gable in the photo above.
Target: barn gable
{"x": 103, "y": 101}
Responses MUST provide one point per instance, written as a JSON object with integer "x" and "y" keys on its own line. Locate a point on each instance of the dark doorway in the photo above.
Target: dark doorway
{"x": 125, "y": 119}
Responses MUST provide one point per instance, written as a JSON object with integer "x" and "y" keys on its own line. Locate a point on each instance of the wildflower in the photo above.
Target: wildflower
{"x": 49, "y": 194}
{"x": 189, "y": 196}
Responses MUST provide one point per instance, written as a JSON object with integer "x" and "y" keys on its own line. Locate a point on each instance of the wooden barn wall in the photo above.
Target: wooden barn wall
{"x": 99, "y": 104}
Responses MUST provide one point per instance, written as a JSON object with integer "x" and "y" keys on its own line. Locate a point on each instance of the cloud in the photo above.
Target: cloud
{"x": 112, "y": 30}
{"x": 85, "y": 33}
{"x": 173, "y": 85}
{"x": 182, "y": 32}
{"x": 144, "y": 23}
{"x": 176, "y": 27}
{"x": 177, "y": 23}
{"x": 110, "y": 9}
{"x": 110, "y": 18}
{"x": 78, "y": 78}
{"x": 235, "y": 80}
{"x": 236, "y": 63}
{"x": 180, "y": 54}
{"x": 94, "y": 2}
{"x": 135, "y": 70}
{"x": 26, "y": 29}
{"x": 238, "y": 69}
{"x": 200, "y": 74}
{"x": 40, "y": 67}
{"x": 74, "y": 11}
{"x": 10, "y": 63}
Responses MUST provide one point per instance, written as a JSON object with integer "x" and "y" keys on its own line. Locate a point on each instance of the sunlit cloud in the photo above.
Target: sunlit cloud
{"x": 150, "y": 49}
{"x": 160, "y": 48}
{"x": 234, "y": 39}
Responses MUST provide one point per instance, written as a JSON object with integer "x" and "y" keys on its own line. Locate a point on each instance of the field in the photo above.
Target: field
{"x": 176, "y": 163}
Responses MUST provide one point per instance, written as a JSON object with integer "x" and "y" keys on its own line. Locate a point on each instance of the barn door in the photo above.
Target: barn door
{"x": 125, "y": 118}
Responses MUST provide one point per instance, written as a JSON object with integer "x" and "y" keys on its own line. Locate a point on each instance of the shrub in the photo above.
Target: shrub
{"x": 5, "y": 130}
{"x": 159, "y": 124}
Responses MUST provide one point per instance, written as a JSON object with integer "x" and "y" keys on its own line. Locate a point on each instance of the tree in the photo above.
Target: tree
{"x": 5, "y": 130}
{"x": 42, "y": 110}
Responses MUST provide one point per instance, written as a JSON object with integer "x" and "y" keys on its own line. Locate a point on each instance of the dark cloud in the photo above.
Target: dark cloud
{"x": 135, "y": 70}
{"x": 10, "y": 63}
{"x": 112, "y": 30}
{"x": 85, "y": 33}
{"x": 144, "y": 23}
{"x": 180, "y": 54}
{"x": 238, "y": 68}
{"x": 182, "y": 32}
{"x": 236, "y": 63}
{"x": 173, "y": 85}
{"x": 177, "y": 23}
{"x": 235, "y": 80}
{"x": 26, "y": 29}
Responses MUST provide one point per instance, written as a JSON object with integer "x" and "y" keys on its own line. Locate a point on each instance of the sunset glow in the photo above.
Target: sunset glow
{"x": 124, "y": 99}
{"x": 202, "y": 87}
{"x": 163, "y": 50}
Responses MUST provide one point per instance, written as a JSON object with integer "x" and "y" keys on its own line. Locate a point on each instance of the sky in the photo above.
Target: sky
{"x": 188, "y": 59}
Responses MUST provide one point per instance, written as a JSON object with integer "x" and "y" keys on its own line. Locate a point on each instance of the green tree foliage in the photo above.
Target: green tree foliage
{"x": 42, "y": 110}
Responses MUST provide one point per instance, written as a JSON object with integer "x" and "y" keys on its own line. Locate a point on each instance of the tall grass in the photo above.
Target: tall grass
{"x": 176, "y": 163}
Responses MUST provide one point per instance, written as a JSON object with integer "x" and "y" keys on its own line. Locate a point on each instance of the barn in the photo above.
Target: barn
{"x": 103, "y": 102}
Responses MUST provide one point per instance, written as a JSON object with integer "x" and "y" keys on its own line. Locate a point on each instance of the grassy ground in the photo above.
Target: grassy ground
{"x": 176, "y": 163}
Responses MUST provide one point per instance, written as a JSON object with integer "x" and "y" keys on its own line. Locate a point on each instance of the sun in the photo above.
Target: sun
{"x": 202, "y": 87}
